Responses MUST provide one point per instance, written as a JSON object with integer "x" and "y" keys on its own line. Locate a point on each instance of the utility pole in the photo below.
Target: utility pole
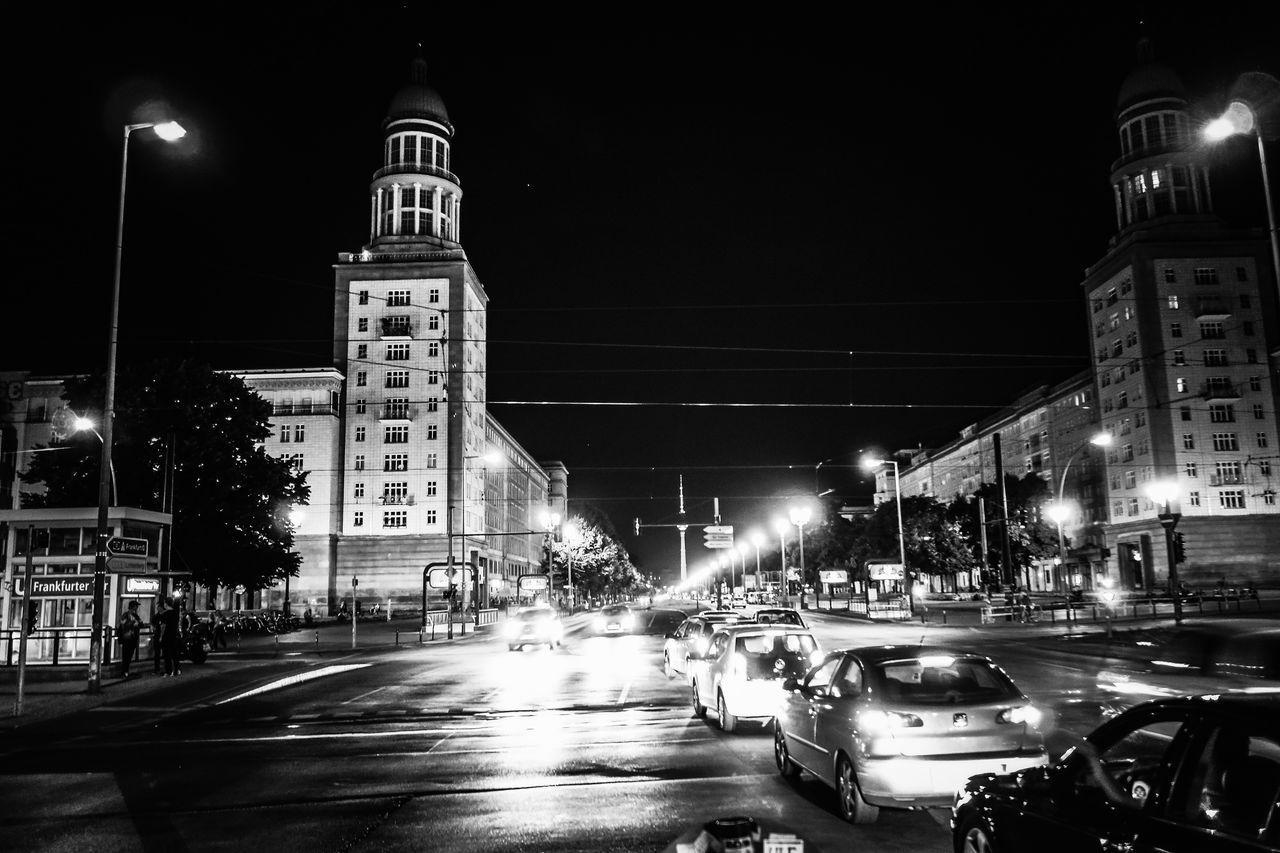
{"x": 1006, "y": 553}
{"x": 26, "y": 618}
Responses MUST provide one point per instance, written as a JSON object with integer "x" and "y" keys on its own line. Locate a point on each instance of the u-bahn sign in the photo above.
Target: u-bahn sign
{"x": 59, "y": 586}
{"x": 528, "y": 584}
{"x": 442, "y": 577}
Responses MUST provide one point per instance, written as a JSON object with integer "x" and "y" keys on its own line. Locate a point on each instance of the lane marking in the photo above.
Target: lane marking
{"x": 296, "y": 679}
{"x": 366, "y": 695}
{"x": 622, "y": 697}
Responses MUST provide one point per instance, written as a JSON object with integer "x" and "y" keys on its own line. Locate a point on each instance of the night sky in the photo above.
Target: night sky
{"x": 893, "y": 212}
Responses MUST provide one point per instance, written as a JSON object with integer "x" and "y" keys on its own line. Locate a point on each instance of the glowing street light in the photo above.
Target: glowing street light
{"x": 869, "y": 464}
{"x": 1240, "y": 119}
{"x": 782, "y": 526}
{"x": 169, "y": 131}
{"x": 800, "y": 515}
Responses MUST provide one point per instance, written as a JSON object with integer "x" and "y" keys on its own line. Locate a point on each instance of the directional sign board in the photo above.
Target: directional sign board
{"x": 718, "y": 536}
{"x": 833, "y": 576}
{"x": 441, "y": 576}
{"x": 123, "y": 546}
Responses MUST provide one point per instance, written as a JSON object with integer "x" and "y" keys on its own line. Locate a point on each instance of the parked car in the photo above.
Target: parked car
{"x": 691, "y": 639}
{"x": 534, "y": 626}
{"x": 1192, "y": 773}
{"x": 615, "y": 619}
{"x": 779, "y": 616}
{"x": 904, "y": 726}
{"x": 742, "y": 671}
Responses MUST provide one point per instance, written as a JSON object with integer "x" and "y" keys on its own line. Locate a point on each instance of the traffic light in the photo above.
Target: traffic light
{"x": 637, "y": 521}
{"x": 1179, "y": 548}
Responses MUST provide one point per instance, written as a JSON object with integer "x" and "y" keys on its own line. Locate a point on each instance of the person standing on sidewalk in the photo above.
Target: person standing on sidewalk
{"x": 157, "y": 620}
{"x": 129, "y": 630}
{"x": 171, "y": 640}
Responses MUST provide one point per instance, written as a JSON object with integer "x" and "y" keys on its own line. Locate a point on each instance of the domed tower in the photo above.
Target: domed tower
{"x": 415, "y": 200}
{"x": 1157, "y": 173}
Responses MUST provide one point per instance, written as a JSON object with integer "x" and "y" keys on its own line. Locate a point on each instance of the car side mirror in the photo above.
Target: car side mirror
{"x": 791, "y": 684}
{"x": 671, "y": 635}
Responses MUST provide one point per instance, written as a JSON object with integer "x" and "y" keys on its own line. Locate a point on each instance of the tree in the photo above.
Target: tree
{"x": 601, "y": 565}
{"x": 231, "y": 513}
{"x": 1031, "y": 537}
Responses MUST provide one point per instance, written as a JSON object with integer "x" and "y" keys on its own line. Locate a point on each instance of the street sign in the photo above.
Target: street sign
{"x": 123, "y": 546}
{"x": 885, "y": 571}
{"x": 528, "y": 584}
{"x": 142, "y": 586}
{"x": 718, "y": 536}
{"x": 60, "y": 586}
{"x": 726, "y": 529}
{"x": 833, "y": 576}
{"x": 726, "y": 542}
{"x": 441, "y": 577}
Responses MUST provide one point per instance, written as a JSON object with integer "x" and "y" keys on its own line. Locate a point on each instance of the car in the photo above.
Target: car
{"x": 690, "y": 640}
{"x": 534, "y": 626}
{"x": 742, "y": 671}
{"x": 738, "y": 601}
{"x": 903, "y": 726}
{"x": 615, "y": 619}
{"x": 1188, "y": 773}
{"x": 1199, "y": 658}
{"x": 714, "y": 613}
{"x": 779, "y": 616}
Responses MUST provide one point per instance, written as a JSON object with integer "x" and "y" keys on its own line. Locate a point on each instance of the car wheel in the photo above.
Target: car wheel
{"x": 699, "y": 710}
{"x": 666, "y": 665}
{"x": 728, "y": 722}
{"x": 852, "y": 807}
{"x": 975, "y": 837}
{"x": 513, "y": 648}
{"x": 782, "y": 756}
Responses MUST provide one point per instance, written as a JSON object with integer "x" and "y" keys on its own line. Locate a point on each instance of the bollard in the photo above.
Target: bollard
{"x": 397, "y": 638}
{"x": 317, "y": 638}
{"x": 277, "y": 639}
{"x": 944, "y": 617}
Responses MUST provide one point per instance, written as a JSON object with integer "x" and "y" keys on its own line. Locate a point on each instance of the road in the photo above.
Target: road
{"x": 465, "y": 746}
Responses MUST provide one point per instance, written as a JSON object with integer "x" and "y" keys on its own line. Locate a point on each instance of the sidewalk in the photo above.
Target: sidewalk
{"x": 45, "y": 699}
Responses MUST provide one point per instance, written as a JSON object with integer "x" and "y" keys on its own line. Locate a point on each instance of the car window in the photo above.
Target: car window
{"x": 820, "y": 678}
{"x": 1135, "y": 761}
{"x": 1233, "y": 784}
{"x": 615, "y": 610}
{"x": 849, "y": 682}
{"x": 719, "y": 643}
{"x": 941, "y": 680}
{"x": 533, "y": 615}
{"x": 776, "y": 655}
{"x": 682, "y": 630}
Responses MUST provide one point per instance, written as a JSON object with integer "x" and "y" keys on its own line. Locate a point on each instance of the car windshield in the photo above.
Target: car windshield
{"x": 534, "y": 615}
{"x": 776, "y": 655}
{"x": 779, "y": 617}
{"x": 941, "y": 680}
{"x": 615, "y": 610}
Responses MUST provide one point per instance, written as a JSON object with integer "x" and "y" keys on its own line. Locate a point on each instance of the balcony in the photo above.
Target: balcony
{"x": 1212, "y": 309}
{"x": 417, "y": 169}
{"x": 1227, "y": 479}
{"x": 397, "y": 413}
{"x": 396, "y": 500}
{"x": 1219, "y": 391}
{"x": 395, "y": 328}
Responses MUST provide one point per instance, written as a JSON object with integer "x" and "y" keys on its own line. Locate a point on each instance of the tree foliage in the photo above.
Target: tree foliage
{"x": 232, "y": 499}
{"x": 601, "y": 565}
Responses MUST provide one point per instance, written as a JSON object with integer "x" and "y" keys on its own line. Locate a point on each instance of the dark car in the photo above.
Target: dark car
{"x": 1193, "y": 773}
{"x": 779, "y": 616}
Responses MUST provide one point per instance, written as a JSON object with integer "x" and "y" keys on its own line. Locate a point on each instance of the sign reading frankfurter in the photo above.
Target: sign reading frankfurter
{"x": 59, "y": 586}
{"x": 122, "y": 546}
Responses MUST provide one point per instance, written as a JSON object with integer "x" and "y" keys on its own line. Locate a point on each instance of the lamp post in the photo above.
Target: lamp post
{"x": 1101, "y": 439}
{"x": 551, "y": 521}
{"x": 83, "y": 424}
{"x": 491, "y": 457}
{"x": 743, "y": 547}
{"x": 1164, "y": 492}
{"x": 1240, "y": 118}
{"x": 870, "y": 464}
{"x": 800, "y": 516}
{"x": 1059, "y": 513}
{"x": 756, "y": 538}
{"x": 168, "y": 131}
{"x": 296, "y": 516}
{"x": 782, "y": 526}
{"x": 570, "y": 537}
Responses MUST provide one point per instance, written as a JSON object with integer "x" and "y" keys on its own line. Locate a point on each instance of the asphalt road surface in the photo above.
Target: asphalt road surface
{"x": 453, "y": 747}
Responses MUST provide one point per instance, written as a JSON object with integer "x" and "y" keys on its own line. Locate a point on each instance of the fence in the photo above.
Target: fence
{"x": 54, "y": 646}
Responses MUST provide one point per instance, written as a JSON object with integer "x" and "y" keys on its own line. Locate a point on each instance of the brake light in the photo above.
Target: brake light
{"x": 1026, "y": 714}
{"x": 881, "y": 722}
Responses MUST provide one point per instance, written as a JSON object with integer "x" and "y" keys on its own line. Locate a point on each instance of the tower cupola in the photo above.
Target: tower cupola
{"x": 415, "y": 199}
{"x": 1157, "y": 174}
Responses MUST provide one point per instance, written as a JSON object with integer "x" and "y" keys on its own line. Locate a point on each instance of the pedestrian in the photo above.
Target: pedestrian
{"x": 219, "y": 629}
{"x": 1025, "y": 603}
{"x": 129, "y": 630}
{"x": 157, "y": 620}
{"x": 171, "y": 640}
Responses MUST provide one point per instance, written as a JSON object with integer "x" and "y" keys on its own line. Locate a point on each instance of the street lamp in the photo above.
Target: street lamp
{"x": 571, "y": 535}
{"x": 491, "y": 457}
{"x": 296, "y": 516}
{"x": 743, "y": 547}
{"x": 1059, "y": 513}
{"x": 800, "y": 515}
{"x": 756, "y": 538}
{"x": 83, "y": 424}
{"x": 783, "y": 526}
{"x": 1241, "y": 119}
{"x": 550, "y": 521}
{"x": 1164, "y": 492}
{"x": 169, "y": 131}
{"x": 870, "y": 463}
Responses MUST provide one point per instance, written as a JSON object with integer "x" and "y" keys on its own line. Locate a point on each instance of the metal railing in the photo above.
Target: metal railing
{"x": 54, "y": 646}
{"x": 416, "y": 169}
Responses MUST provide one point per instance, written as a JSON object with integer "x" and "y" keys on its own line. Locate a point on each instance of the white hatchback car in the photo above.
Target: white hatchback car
{"x": 741, "y": 673}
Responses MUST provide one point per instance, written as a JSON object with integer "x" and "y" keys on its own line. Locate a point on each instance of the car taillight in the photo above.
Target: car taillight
{"x": 880, "y": 722}
{"x": 1028, "y": 714}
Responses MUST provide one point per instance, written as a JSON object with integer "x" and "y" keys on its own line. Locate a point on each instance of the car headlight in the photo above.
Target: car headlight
{"x": 628, "y": 622}
{"x": 599, "y": 624}
{"x": 881, "y": 722}
{"x": 1027, "y": 714}
{"x": 815, "y": 657}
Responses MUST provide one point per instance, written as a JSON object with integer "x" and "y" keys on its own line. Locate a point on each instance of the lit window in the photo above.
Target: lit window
{"x": 1155, "y": 179}
{"x": 1173, "y": 302}
{"x": 1181, "y": 385}
{"x": 1179, "y": 358}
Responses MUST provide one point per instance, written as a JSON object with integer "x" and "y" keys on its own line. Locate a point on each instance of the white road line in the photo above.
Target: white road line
{"x": 622, "y": 697}
{"x": 296, "y": 679}
{"x": 366, "y": 695}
